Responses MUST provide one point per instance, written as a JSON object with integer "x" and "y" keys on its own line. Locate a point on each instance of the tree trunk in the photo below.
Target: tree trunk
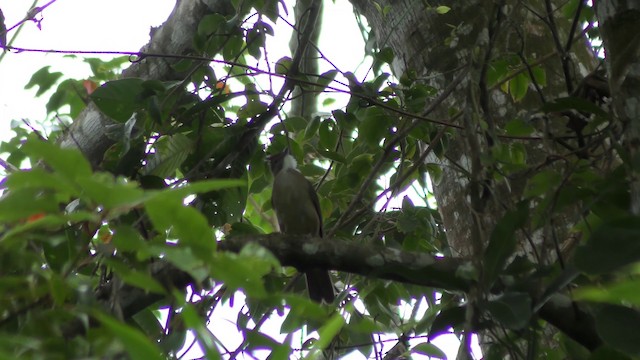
{"x": 623, "y": 55}
{"x": 472, "y": 194}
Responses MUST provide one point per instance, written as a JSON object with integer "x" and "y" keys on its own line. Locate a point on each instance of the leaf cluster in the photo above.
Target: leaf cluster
{"x": 124, "y": 259}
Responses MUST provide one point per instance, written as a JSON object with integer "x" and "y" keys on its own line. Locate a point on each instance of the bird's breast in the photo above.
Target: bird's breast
{"x": 293, "y": 204}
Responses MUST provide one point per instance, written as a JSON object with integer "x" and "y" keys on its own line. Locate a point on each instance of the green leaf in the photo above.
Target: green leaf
{"x": 328, "y": 101}
{"x": 346, "y": 121}
{"x": 518, "y": 127}
{"x": 570, "y": 8}
{"x": 303, "y": 308}
{"x": 332, "y": 155}
{"x": 149, "y": 322}
{"x": 540, "y": 76}
{"x": 442, "y": 9}
{"x": 378, "y": 7}
{"x": 574, "y": 103}
{"x": 22, "y": 203}
{"x": 626, "y": 291}
{"x": 570, "y": 349}
{"x": 124, "y": 133}
{"x": 43, "y": 79}
{"x": 263, "y": 257}
{"x": 241, "y": 272}
{"x": 210, "y": 24}
{"x": 503, "y": 241}
{"x": 111, "y": 193}
{"x": 283, "y": 65}
{"x": 328, "y": 134}
{"x": 255, "y": 41}
{"x": 135, "y": 277}
{"x": 174, "y": 341}
{"x": 68, "y": 162}
{"x": 126, "y": 238}
{"x": 233, "y": 50}
{"x": 312, "y": 127}
{"x": 256, "y": 340}
{"x": 607, "y": 353}
{"x": 513, "y": 310}
{"x": 497, "y": 71}
{"x": 60, "y": 291}
{"x": 327, "y": 332}
{"x": 135, "y": 343}
{"x": 326, "y": 78}
{"x": 47, "y": 222}
{"x": 271, "y": 9}
{"x": 119, "y": 99}
{"x": 67, "y": 93}
{"x": 167, "y": 212}
{"x": 245, "y": 228}
{"x": 106, "y": 69}
{"x": 363, "y": 325}
{"x": 518, "y": 154}
{"x": 374, "y": 125}
{"x": 384, "y": 56}
{"x": 611, "y": 245}
{"x": 619, "y": 327}
{"x": 38, "y": 178}
{"x": 184, "y": 259}
{"x": 170, "y": 153}
{"x": 361, "y": 164}
{"x": 59, "y": 250}
{"x": 206, "y": 186}
{"x": 290, "y": 324}
{"x": 435, "y": 172}
{"x": 518, "y": 86}
{"x": 291, "y": 123}
{"x": 252, "y": 108}
{"x": 448, "y": 318}
{"x": 428, "y": 349}
{"x": 222, "y": 207}
{"x": 542, "y": 183}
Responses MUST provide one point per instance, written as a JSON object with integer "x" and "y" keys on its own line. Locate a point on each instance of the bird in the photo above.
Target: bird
{"x": 297, "y": 209}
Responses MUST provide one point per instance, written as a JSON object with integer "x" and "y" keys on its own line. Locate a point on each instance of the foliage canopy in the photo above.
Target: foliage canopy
{"x": 130, "y": 253}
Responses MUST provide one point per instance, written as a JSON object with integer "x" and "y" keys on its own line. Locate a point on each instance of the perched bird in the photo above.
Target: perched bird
{"x": 298, "y": 211}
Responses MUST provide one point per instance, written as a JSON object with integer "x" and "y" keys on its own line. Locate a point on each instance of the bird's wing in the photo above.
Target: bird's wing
{"x": 316, "y": 204}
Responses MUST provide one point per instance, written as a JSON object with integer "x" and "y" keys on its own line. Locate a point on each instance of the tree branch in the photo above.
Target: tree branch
{"x": 367, "y": 260}
{"x": 407, "y": 267}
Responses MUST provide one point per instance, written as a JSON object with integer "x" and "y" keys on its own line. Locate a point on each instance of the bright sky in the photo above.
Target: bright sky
{"x": 68, "y": 25}
{"x": 123, "y": 25}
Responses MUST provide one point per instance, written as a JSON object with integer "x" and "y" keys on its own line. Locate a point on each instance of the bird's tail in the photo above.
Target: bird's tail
{"x": 320, "y": 286}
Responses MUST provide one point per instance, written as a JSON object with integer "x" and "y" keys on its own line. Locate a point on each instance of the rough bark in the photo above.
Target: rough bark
{"x": 623, "y": 66}
{"x": 436, "y": 47}
{"x": 417, "y": 40}
{"x": 304, "y": 103}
